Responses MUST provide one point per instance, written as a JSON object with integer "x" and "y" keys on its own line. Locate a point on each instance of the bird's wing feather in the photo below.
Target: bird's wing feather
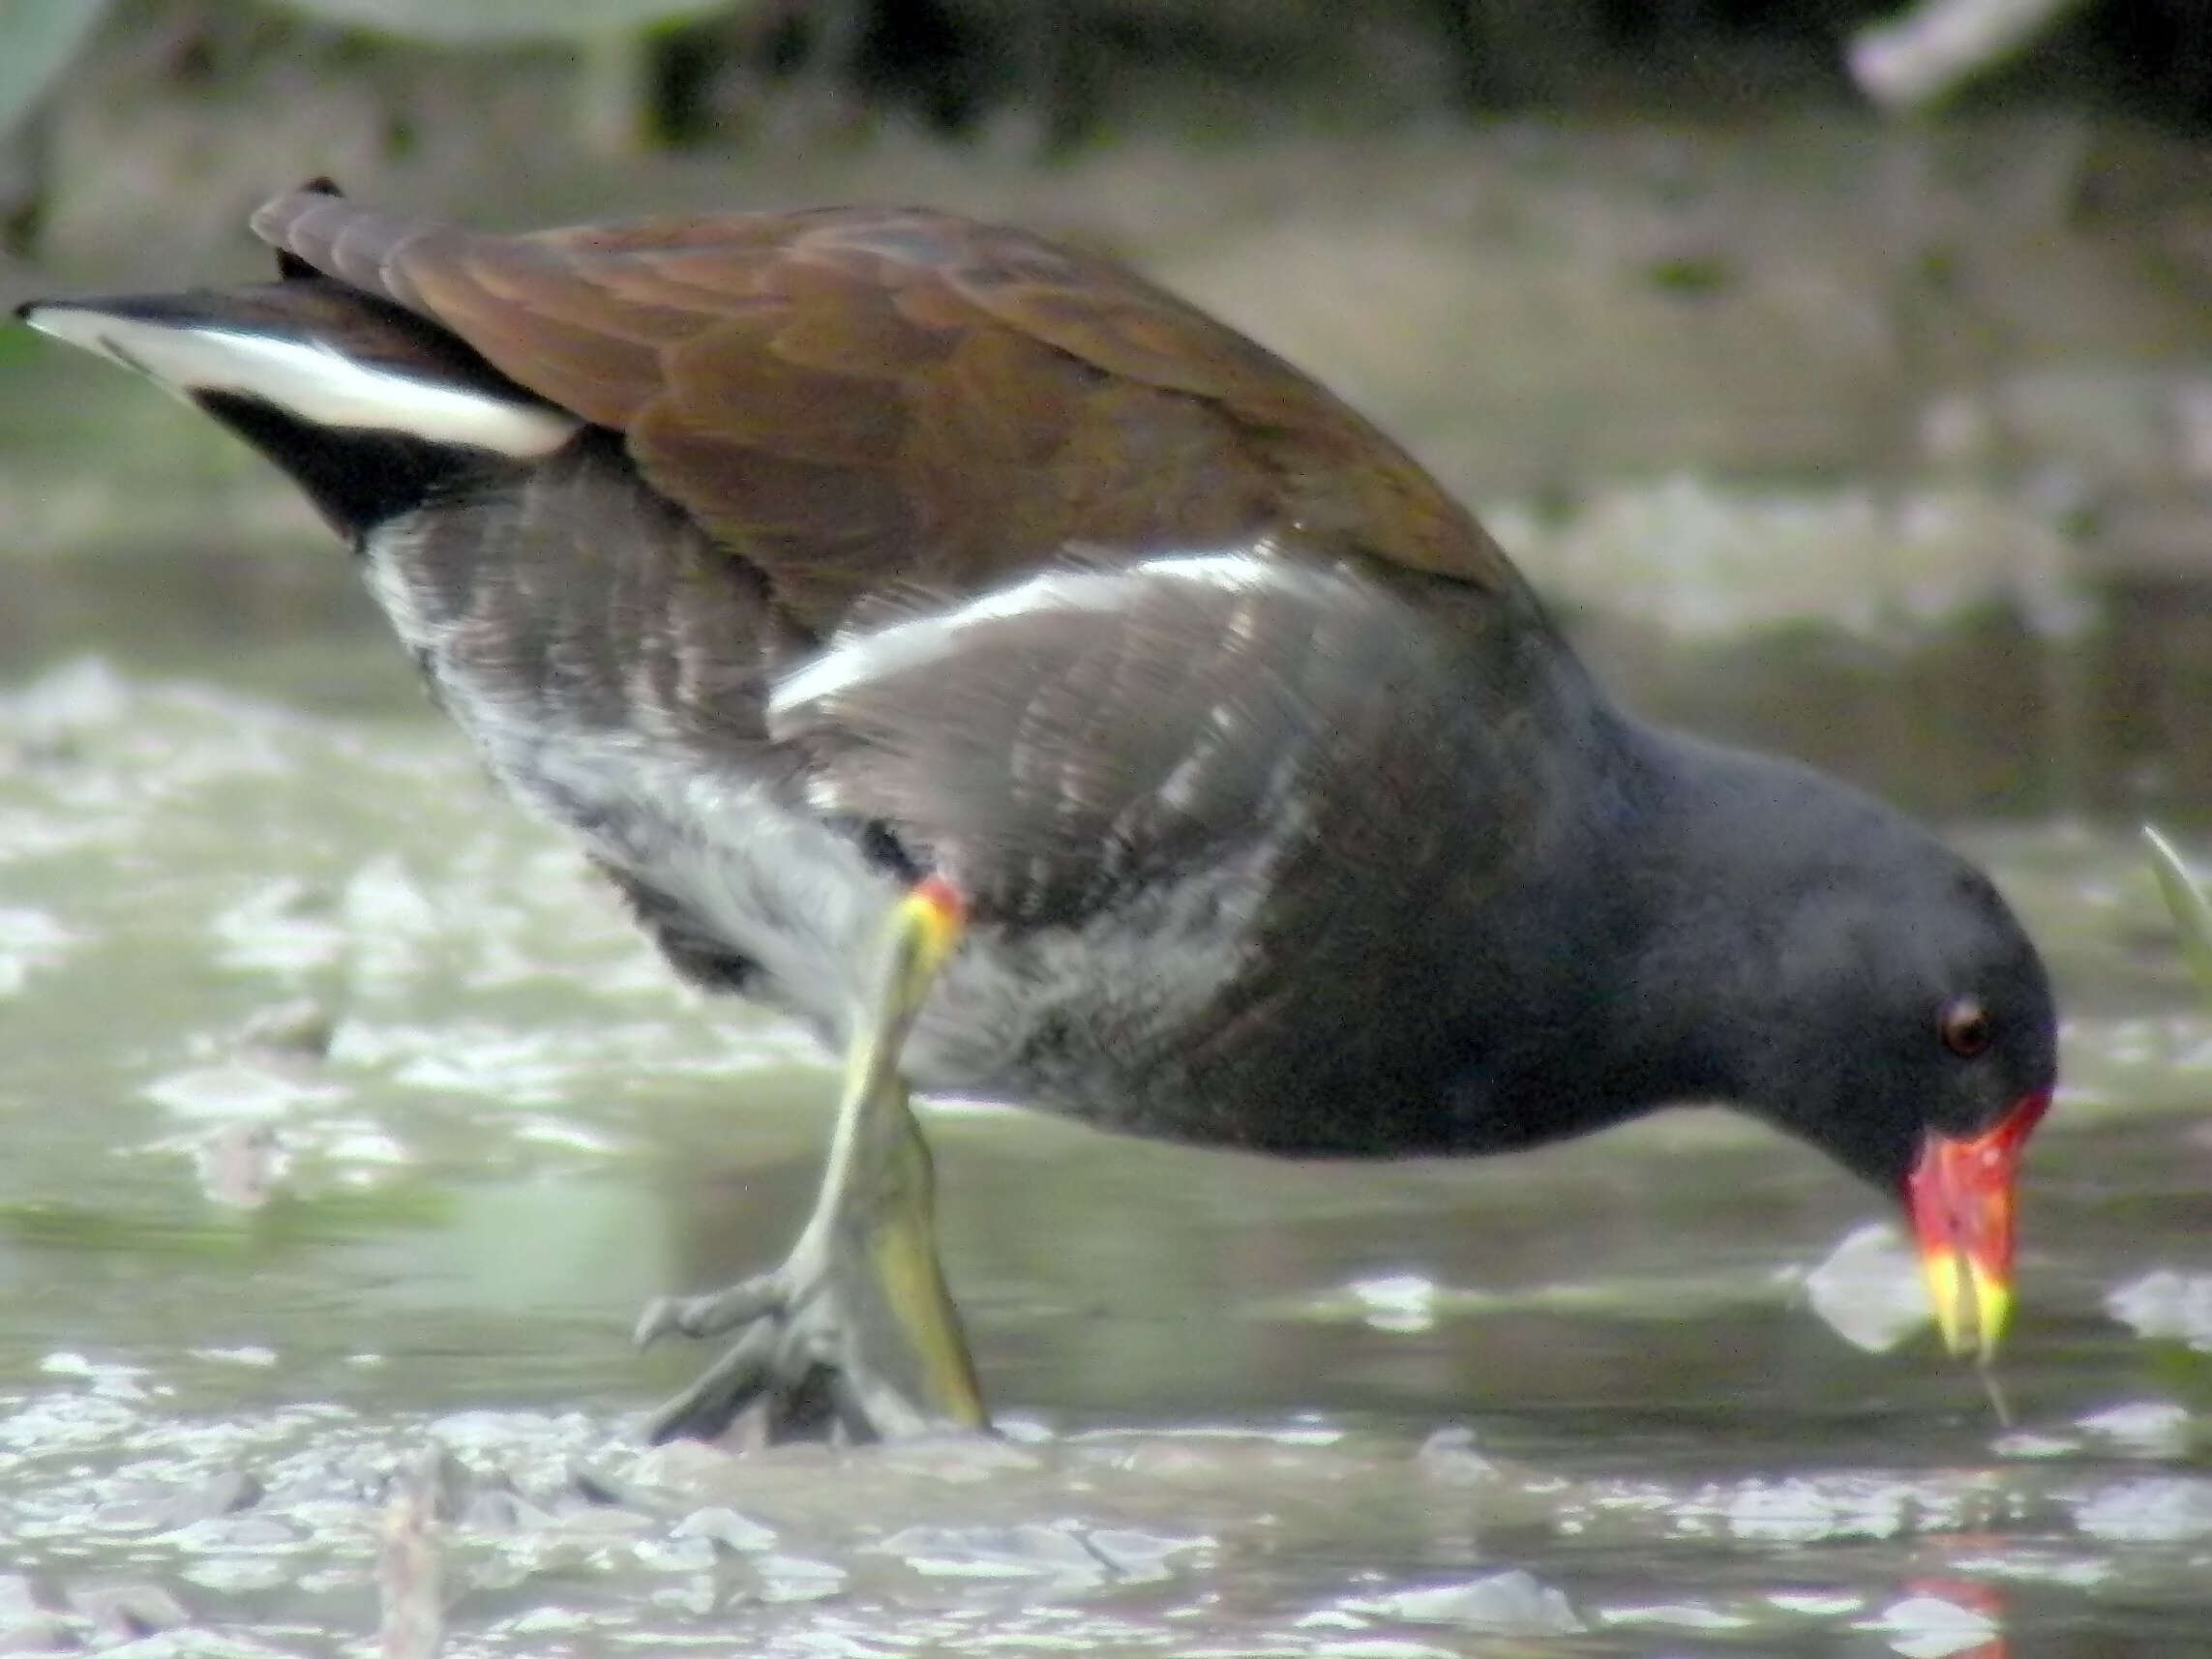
{"x": 1090, "y": 733}
{"x": 845, "y": 393}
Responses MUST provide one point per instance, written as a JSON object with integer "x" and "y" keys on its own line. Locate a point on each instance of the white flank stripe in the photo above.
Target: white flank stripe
{"x": 311, "y": 381}
{"x": 920, "y": 639}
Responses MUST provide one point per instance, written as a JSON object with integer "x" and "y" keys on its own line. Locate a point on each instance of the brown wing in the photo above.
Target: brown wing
{"x": 847, "y": 397}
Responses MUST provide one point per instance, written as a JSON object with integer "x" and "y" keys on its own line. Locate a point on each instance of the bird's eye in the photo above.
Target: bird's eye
{"x": 1965, "y": 1026}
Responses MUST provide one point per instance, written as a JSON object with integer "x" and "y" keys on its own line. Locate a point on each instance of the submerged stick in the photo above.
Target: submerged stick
{"x": 408, "y": 1588}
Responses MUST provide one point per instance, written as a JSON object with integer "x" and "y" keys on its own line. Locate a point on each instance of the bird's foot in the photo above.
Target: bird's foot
{"x": 853, "y": 1333}
{"x": 776, "y": 1363}
{"x": 795, "y": 1362}
{"x": 855, "y": 1330}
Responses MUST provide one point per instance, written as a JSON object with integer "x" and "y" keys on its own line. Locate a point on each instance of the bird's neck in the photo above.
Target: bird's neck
{"x": 1659, "y": 890}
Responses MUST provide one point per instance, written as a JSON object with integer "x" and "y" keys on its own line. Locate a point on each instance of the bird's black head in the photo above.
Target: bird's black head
{"x": 1903, "y": 1005}
{"x": 1865, "y": 988}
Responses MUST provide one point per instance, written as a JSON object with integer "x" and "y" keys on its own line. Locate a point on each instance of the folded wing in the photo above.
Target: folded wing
{"x": 1095, "y": 731}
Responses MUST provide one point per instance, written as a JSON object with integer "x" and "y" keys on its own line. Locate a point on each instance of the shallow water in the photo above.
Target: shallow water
{"x": 347, "y": 1118}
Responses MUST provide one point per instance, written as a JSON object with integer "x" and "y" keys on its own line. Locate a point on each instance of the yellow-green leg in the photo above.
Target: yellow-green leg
{"x": 859, "y": 1308}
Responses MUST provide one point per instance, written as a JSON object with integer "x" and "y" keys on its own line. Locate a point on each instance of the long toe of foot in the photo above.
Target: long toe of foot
{"x": 765, "y": 1295}
{"x": 768, "y": 1378}
{"x": 799, "y": 1370}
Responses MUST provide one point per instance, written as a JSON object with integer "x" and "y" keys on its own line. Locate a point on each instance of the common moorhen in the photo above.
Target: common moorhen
{"x": 856, "y": 574}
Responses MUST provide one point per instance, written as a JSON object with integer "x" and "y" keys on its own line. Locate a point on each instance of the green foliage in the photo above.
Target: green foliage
{"x": 38, "y": 40}
{"x": 288, "y": 1221}
{"x": 1691, "y": 273}
{"x": 510, "y": 20}
{"x": 2185, "y": 900}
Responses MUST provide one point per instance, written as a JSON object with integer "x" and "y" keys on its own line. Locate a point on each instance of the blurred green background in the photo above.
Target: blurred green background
{"x": 1845, "y": 374}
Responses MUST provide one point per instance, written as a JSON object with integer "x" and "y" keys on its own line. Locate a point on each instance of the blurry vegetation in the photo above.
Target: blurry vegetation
{"x": 613, "y": 41}
{"x": 1048, "y": 76}
{"x": 480, "y": 20}
{"x": 2187, "y": 904}
{"x": 38, "y": 39}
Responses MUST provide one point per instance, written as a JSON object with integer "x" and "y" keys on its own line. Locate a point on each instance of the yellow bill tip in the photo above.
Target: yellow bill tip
{"x": 1946, "y": 1275}
{"x": 1992, "y": 1306}
{"x": 1973, "y": 1304}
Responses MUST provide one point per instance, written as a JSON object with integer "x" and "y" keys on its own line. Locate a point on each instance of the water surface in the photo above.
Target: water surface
{"x": 346, "y": 1118}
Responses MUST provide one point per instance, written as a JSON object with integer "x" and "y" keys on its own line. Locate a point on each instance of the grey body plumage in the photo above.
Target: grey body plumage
{"x": 1148, "y": 915}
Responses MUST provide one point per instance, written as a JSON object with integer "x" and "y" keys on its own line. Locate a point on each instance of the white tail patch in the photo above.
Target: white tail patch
{"x": 915, "y": 640}
{"x": 311, "y": 381}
